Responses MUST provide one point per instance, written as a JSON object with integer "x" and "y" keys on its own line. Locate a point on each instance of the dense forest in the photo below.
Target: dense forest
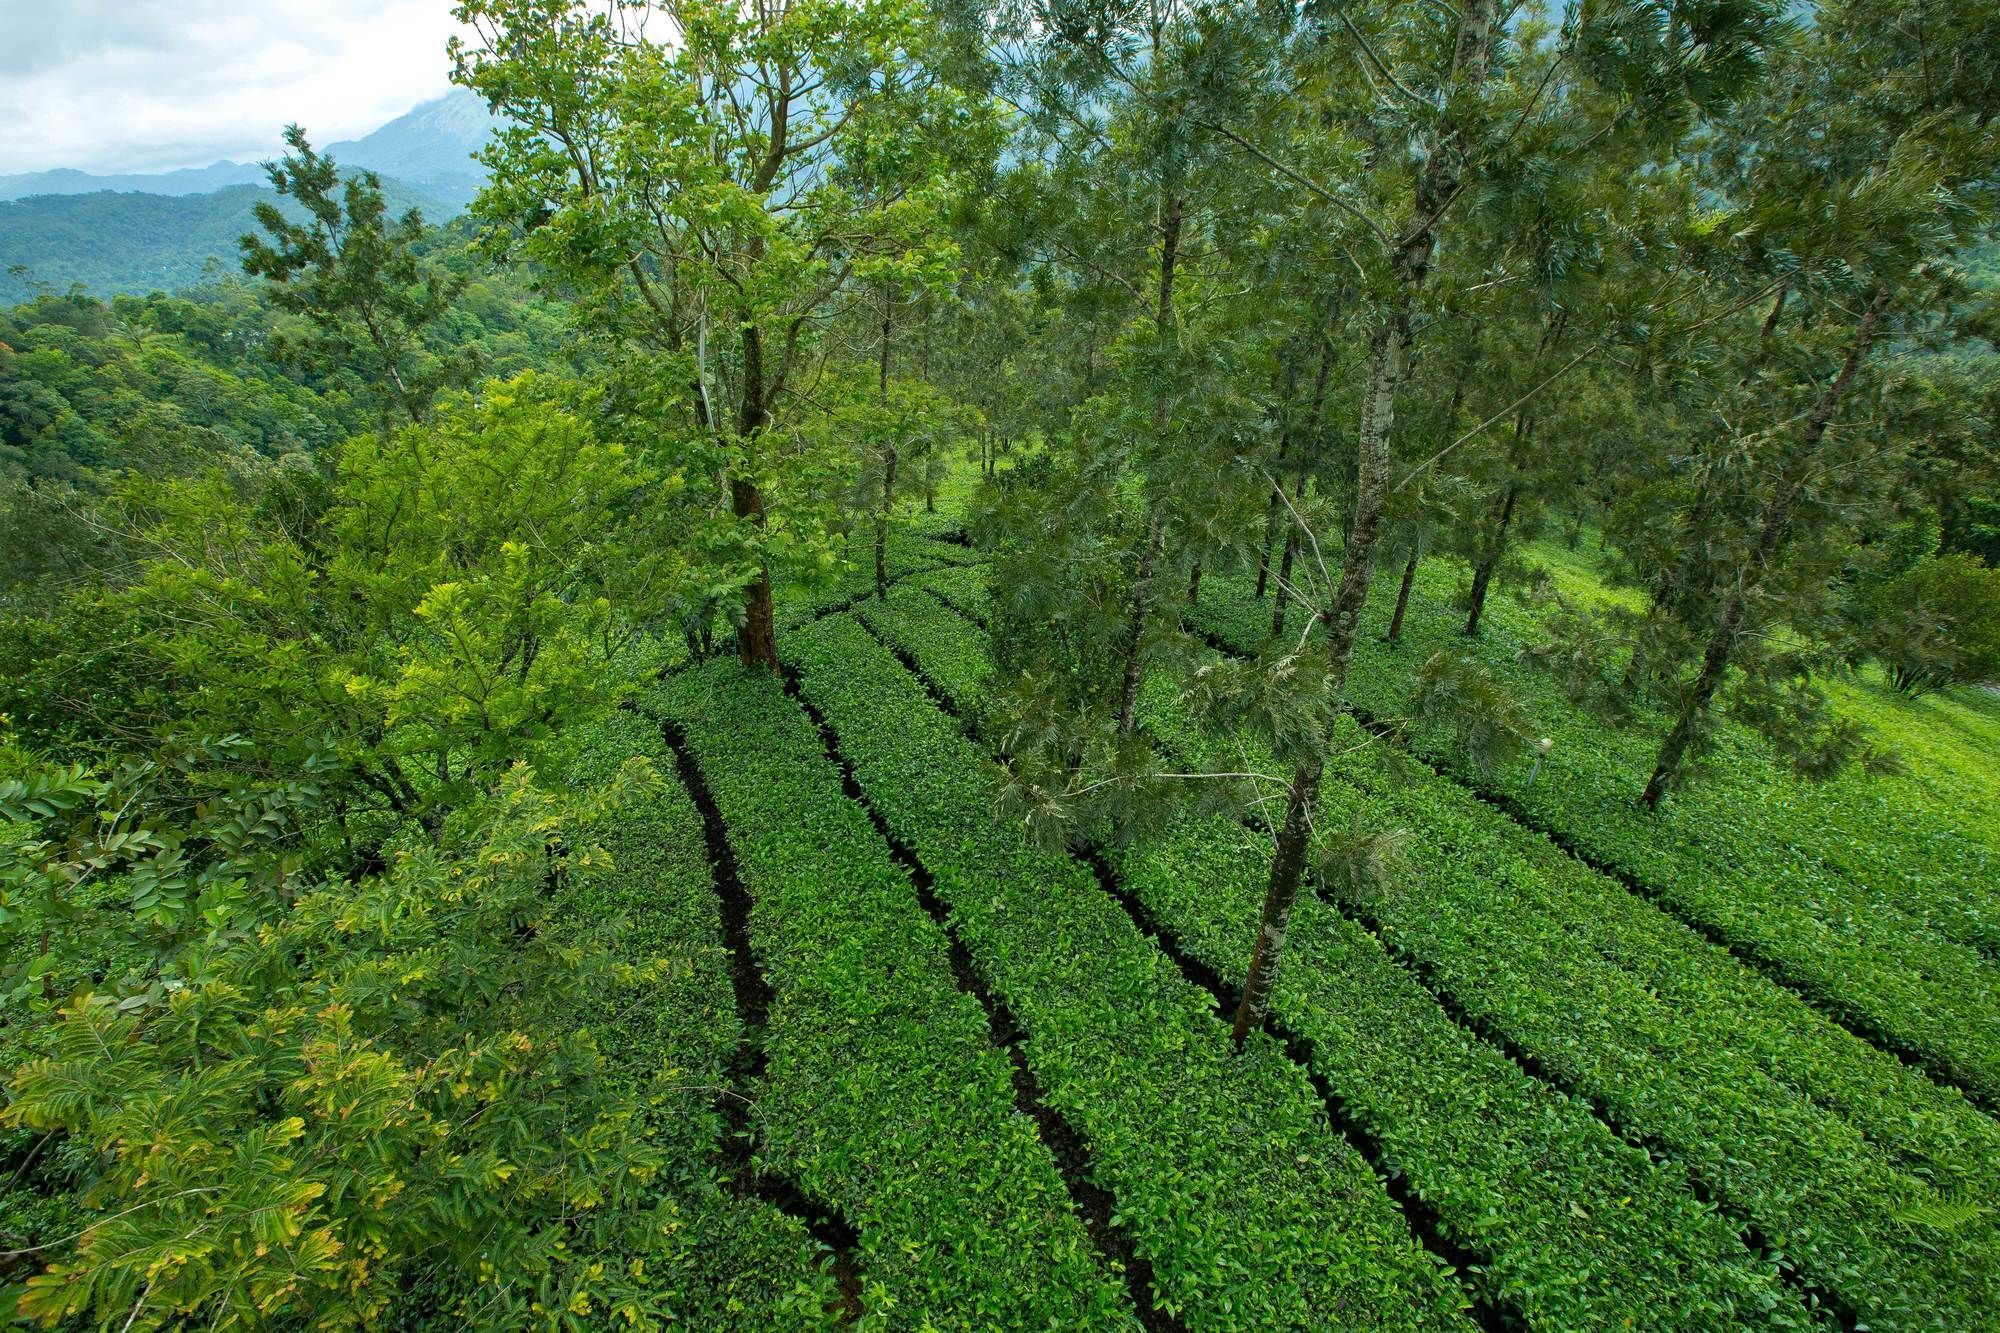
{"x": 1047, "y": 664}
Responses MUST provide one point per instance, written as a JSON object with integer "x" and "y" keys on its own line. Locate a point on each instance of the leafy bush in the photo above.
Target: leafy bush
{"x": 376, "y": 1107}
{"x": 1937, "y": 624}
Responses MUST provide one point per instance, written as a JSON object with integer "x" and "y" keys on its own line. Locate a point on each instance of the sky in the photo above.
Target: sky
{"x": 150, "y": 85}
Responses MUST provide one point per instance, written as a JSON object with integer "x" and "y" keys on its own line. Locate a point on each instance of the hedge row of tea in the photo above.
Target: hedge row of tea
{"x": 1857, "y": 1167}
{"x": 1251, "y": 1210}
{"x": 1574, "y": 1228}
{"x": 1730, "y": 869}
{"x": 884, "y": 1094}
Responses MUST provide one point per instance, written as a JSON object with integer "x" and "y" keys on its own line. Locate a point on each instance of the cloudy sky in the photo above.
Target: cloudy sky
{"x": 145, "y": 85}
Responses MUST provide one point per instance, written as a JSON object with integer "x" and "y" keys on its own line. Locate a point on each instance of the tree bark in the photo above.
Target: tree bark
{"x": 1135, "y": 627}
{"x": 882, "y": 523}
{"x": 1517, "y": 462}
{"x": 757, "y": 644}
{"x": 1280, "y": 598}
{"x": 1273, "y": 509}
{"x": 1395, "y": 634}
{"x": 1489, "y": 560}
{"x": 1288, "y": 863}
{"x": 1194, "y": 584}
{"x": 1436, "y": 185}
{"x": 888, "y": 459}
{"x": 1305, "y": 443}
{"x": 1142, "y": 584}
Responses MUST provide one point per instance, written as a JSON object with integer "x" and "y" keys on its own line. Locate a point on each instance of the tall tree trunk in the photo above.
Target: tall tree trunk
{"x": 1271, "y": 511}
{"x": 1281, "y": 596}
{"x": 1135, "y": 627}
{"x": 1395, "y": 634}
{"x": 1306, "y": 439}
{"x": 1140, "y": 605}
{"x": 1288, "y": 864}
{"x": 1517, "y": 462}
{"x": 1489, "y": 559}
{"x": 888, "y": 459}
{"x": 1771, "y": 538}
{"x": 1714, "y": 665}
{"x": 1288, "y": 859}
{"x": 757, "y": 643}
{"x": 1437, "y": 183}
{"x": 1275, "y": 507}
{"x": 1194, "y": 584}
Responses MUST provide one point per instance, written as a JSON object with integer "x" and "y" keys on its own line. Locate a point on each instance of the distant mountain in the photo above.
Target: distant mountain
{"x": 145, "y": 232}
{"x": 429, "y": 148}
{"x": 116, "y": 243}
{"x": 189, "y": 180}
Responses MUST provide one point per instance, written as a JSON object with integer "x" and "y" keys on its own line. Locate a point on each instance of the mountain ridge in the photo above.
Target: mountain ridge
{"x": 135, "y": 233}
{"x": 429, "y": 147}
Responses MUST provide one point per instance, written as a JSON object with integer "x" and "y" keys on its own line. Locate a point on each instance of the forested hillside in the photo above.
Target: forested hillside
{"x": 136, "y": 233}
{"x": 1183, "y": 666}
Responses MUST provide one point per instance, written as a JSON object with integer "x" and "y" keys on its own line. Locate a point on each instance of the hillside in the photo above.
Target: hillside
{"x": 130, "y": 243}
{"x": 134, "y": 233}
{"x": 1170, "y": 669}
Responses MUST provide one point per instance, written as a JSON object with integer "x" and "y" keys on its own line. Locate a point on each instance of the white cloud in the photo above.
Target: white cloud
{"x": 146, "y": 85}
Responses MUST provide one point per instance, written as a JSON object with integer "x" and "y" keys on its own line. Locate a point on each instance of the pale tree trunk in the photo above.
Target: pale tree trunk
{"x": 1288, "y": 859}
{"x": 1437, "y": 183}
{"x": 757, "y": 643}
{"x": 888, "y": 461}
{"x": 1141, "y": 602}
{"x": 1306, "y": 439}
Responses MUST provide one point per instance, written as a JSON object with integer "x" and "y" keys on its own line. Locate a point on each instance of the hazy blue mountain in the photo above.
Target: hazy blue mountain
{"x": 137, "y": 243}
{"x": 429, "y": 148}
{"x": 189, "y": 180}
{"x": 148, "y": 232}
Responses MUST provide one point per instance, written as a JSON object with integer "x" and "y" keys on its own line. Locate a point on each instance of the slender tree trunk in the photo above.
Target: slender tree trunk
{"x": 1395, "y": 634}
{"x": 1575, "y": 535}
{"x": 1275, "y": 508}
{"x": 1489, "y": 560}
{"x": 757, "y": 643}
{"x": 1281, "y": 895}
{"x": 1142, "y": 585}
{"x": 1270, "y": 533}
{"x": 1194, "y": 584}
{"x": 882, "y": 524}
{"x": 1771, "y": 538}
{"x": 1714, "y": 665}
{"x": 1517, "y": 462}
{"x": 888, "y": 459}
{"x": 1306, "y": 439}
{"x": 1388, "y": 348}
{"x": 1135, "y": 627}
{"x": 1281, "y": 596}
{"x": 1385, "y": 374}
